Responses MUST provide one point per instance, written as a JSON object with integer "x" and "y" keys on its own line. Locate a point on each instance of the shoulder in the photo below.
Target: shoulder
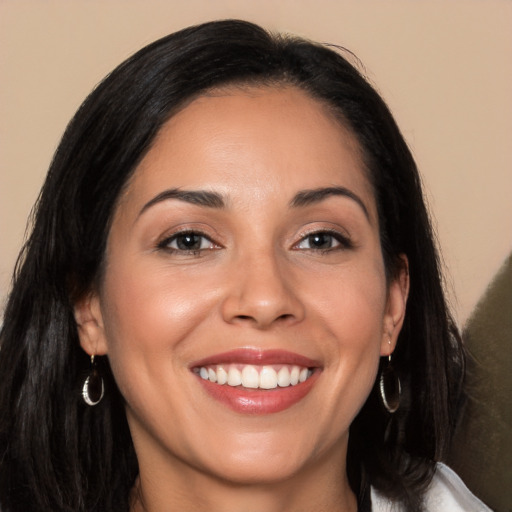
{"x": 446, "y": 492}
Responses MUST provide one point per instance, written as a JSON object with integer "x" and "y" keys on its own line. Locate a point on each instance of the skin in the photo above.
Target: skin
{"x": 256, "y": 281}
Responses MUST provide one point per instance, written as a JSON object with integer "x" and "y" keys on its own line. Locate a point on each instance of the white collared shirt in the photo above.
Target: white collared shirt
{"x": 446, "y": 493}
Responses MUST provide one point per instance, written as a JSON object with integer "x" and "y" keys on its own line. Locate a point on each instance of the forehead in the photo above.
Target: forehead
{"x": 258, "y": 138}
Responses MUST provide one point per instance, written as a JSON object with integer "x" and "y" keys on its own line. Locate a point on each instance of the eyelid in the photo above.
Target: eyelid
{"x": 165, "y": 241}
{"x": 344, "y": 240}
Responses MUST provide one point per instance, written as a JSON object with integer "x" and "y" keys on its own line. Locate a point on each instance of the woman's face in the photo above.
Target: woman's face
{"x": 245, "y": 249}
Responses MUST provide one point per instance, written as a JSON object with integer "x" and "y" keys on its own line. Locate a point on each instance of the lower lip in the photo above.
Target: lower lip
{"x": 259, "y": 401}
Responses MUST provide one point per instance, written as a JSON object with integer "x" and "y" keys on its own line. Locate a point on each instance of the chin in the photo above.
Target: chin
{"x": 262, "y": 460}
{"x": 264, "y": 471}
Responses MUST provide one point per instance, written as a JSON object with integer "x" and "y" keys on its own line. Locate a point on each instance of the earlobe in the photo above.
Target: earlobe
{"x": 396, "y": 306}
{"x": 89, "y": 322}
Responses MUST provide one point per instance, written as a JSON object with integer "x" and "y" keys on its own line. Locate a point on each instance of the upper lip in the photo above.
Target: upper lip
{"x": 255, "y": 356}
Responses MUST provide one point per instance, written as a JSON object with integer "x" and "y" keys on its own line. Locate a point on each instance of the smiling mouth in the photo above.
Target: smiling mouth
{"x": 251, "y": 376}
{"x": 253, "y": 381}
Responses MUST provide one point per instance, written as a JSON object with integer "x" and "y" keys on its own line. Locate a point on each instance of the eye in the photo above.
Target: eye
{"x": 324, "y": 241}
{"x": 187, "y": 242}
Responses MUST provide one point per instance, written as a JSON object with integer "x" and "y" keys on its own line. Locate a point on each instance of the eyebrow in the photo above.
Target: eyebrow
{"x": 313, "y": 196}
{"x": 197, "y": 197}
{"x": 215, "y": 200}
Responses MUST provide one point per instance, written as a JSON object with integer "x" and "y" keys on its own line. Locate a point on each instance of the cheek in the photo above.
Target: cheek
{"x": 146, "y": 306}
{"x": 351, "y": 308}
{"x": 352, "y": 302}
{"x": 148, "y": 315}
{"x": 357, "y": 328}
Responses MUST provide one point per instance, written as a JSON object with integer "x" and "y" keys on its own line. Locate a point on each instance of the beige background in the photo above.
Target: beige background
{"x": 445, "y": 69}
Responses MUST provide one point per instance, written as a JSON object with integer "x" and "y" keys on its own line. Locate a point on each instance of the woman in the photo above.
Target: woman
{"x": 231, "y": 298}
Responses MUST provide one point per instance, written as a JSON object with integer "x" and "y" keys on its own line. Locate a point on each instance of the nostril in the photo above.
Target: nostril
{"x": 244, "y": 317}
{"x": 261, "y": 306}
{"x": 280, "y": 318}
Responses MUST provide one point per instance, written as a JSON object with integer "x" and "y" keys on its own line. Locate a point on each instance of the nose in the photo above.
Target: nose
{"x": 262, "y": 293}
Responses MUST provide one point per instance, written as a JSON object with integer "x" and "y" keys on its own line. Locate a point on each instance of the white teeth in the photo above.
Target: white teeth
{"x": 253, "y": 377}
{"x": 250, "y": 377}
{"x": 234, "y": 376}
{"x": 268, "y": 378}
{"x": 222, "y": 376}
{"x": 294, "y": 375}
{"x": 283, "y": 377}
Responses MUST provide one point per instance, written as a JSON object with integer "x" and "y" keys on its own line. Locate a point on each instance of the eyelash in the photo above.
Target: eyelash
{"x": 165, "y": 244}
{"x": 343, "y": 241}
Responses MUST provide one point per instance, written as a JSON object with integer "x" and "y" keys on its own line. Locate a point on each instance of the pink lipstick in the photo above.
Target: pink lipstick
{"x": 255, "y": 381}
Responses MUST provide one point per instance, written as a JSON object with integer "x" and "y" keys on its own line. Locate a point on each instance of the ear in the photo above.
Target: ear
{"x": 395, "y": 308}
{"x": 89, "y": 321}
